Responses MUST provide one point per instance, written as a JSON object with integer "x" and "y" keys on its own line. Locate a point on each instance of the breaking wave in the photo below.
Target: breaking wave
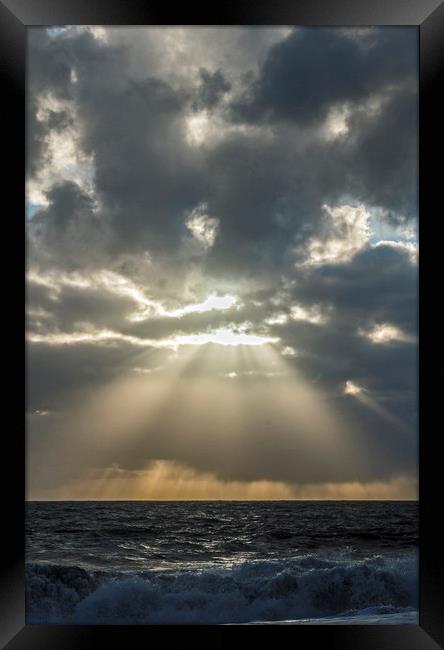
{"x": 307, "y": 587}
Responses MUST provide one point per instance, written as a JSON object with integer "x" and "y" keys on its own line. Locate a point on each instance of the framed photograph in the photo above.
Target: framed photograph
{"x": 230, "y": 416}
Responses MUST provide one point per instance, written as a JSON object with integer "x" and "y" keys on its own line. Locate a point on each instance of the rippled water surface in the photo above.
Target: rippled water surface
{"x": 221, "y": 562}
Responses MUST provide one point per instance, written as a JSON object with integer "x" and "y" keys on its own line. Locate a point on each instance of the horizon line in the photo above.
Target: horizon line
{"x": 211, "y": 500}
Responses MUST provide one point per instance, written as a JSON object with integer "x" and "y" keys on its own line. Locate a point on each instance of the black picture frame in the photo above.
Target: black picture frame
{"x": 428, "y": 16}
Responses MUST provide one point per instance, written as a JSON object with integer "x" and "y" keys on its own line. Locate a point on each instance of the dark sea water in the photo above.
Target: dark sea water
{"x": 221, "y": 562}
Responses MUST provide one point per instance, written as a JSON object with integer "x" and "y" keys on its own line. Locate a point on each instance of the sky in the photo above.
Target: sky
{"x": 222, "y": 263}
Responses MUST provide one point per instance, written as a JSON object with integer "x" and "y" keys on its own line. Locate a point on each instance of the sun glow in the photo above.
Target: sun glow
{"x": 224, "y": 336}
{"x": 197, "y": 127}
{"x": 386, "y": 333}
{"x": 164, "y": 480}
{"x": 352, "y": 388}
{"x": 213, "y": 301}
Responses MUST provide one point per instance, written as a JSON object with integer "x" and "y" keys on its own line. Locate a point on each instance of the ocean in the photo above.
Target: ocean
{"x": 220, "y": 562}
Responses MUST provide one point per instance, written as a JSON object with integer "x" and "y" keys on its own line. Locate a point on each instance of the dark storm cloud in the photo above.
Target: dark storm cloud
{"x": 144, "y": 179}
{"x": 69, "y": 229}
{"x": 264, "y": 192}
{"x": 379, "y": 284}
{"x": 313, "y": 69}
{"x": 45, "y": 71}
{"x": 74, "y": 305}
{"x": 384, "y": 164}
{"x": 267, "y": 194}
{"x": 249, "y": 181}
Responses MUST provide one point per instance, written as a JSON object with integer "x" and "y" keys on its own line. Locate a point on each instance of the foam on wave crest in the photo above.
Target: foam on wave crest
{"x": 306, "y": 587}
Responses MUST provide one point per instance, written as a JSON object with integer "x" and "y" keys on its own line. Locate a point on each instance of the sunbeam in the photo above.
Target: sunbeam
{"x": 363, "y": 396}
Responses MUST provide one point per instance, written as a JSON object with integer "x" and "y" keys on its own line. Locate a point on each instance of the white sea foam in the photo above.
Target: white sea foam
{"x": 405, "y": 617}
{"x": 302, "y": 590}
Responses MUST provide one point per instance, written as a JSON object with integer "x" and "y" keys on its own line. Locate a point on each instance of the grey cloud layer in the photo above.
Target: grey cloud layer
{"x": 264, "y": 170}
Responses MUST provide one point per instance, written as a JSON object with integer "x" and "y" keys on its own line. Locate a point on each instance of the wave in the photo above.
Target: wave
{"x": 306, "y": 587}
